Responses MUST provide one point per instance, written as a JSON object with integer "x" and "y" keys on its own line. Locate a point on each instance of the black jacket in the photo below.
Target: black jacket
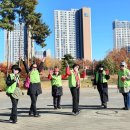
{"x": 35, "y": 88}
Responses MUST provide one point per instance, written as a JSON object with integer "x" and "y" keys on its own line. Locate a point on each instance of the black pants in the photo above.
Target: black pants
{"x": 33, "y": 107}
{"x": 75, "y": 92}
{"x": 103, "y": 92}
{"x": 13, "y": 115}
{"x": 56, "y": 101}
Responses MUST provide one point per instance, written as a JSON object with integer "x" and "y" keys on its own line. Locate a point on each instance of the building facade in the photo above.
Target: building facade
{"x": 121, "y": 34}
{"x": 73, "y": 33}
{"x": 42, "y": 53}
{"x": 18, "y": 43}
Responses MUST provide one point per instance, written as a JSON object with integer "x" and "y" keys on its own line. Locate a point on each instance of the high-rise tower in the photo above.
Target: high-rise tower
{"x": 73, "y": 33}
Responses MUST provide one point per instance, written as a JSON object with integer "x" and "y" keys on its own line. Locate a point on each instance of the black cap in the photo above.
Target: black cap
{"x": 16, "y": 67}
{"x": 75, "y": 66}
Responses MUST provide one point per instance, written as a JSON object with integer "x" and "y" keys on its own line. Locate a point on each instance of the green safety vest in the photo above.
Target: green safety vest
{"x": 56, "y": 80}
{"x": 103, "y": 80}
{"x": 126, "y": 83}
{"x": 10, "y": 89}
{"x": 72, "y": 79}
{"x": 35, "y": 76}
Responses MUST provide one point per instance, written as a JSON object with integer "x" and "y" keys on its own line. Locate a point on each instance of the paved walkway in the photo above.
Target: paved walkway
{"x": 91, "y": 116}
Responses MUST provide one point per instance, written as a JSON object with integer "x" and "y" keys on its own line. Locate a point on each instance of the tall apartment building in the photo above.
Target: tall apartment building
{"x": 121, "y": 34}
{"x": 42, "y": 53}
{"x": 18, "y": 46}
{"x": 73, "y": 33}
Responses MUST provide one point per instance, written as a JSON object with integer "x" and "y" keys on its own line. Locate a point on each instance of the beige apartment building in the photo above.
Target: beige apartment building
{"x": 73, "y": 33}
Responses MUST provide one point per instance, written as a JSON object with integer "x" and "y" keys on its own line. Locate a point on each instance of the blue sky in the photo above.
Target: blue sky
{"x": 103, "y": 13}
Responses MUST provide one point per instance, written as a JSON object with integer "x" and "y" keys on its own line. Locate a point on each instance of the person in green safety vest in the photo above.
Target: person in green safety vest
{"x": 57, "y": 90}
{"x": 12, "y": 82}
{"x": 74, "y": 85}
{"x": 35, "y": 85}
{"x": 124, "y": 84}
{"x": 101, "y": 78}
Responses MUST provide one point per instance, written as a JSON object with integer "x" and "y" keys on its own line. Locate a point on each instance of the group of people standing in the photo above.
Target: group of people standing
{"x": 73, "y": 76}
{"x": 34, "y": 89}
{"x": 123, "y": 84}
{"x": 74, "y": 85}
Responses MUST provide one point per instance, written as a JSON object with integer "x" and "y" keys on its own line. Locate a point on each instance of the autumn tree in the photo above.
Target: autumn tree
{"x": 114, "y": 58}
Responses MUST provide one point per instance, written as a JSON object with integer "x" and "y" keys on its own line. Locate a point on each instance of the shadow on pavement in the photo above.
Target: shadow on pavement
{"x": 56, "y": 112}
{"x": 4, "y": 114}
{"x": 44, "y": 112}
{"x": 4, "y": 121}
{"x": 23, "y": 112}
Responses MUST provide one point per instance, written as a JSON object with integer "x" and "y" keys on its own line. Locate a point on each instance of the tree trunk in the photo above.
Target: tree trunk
{"x": 31, "y": 50}
{"x": 27, "y": 47}
{"x": 20, "y": 45}
{"x": 7, "y": 44}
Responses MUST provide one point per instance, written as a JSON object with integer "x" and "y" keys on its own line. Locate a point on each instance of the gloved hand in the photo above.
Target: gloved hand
{"x": 107, "y": 72}
{"x": 123, "y": 78}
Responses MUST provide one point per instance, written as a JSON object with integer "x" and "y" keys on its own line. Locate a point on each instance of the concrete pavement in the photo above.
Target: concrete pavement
{"x": 91, "y": 116}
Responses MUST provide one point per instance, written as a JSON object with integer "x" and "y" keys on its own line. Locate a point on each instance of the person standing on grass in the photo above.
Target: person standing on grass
{"x": 101, "y": 78}
{"x": 12, "y": 82}
{"x": 57, "y": 90}
{"x": 74, "y": 85}
{"x": 124, "y": 84}
{"x": 35, "y": 85}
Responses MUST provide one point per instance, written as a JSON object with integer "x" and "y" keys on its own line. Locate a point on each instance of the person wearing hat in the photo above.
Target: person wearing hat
{"x": 74, "y": 85}
{"x": 124, "y": 84}
{"x": 12, "y": 82}
{"x": 57, "y": 90}
{"x": 35, "y": 85}
{"x": 101, "y": 78}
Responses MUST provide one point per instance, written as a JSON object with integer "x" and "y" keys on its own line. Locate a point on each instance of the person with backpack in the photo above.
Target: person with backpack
{"x": 12, "y": 82}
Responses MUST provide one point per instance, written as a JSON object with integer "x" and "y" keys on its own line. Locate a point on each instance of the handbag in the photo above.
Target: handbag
{"x": 27, "y": 82}
{"x": 17, "y": 93}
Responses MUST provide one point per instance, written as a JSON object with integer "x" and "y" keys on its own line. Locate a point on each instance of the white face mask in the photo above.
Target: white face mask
{"x": 56, "y": 73}
{"x": 101, "y": 68}
{"x": 16, "y": 71}
{"x": 76, "y": 69}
